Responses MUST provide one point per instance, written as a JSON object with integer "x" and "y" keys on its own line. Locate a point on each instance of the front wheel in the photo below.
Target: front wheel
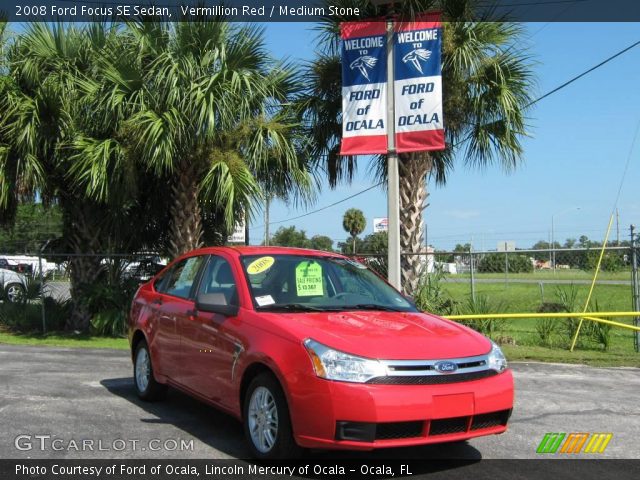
{"x": 14, "y": 292}
{"x": 146, "y": 385}
{"x": 267, "y": 425}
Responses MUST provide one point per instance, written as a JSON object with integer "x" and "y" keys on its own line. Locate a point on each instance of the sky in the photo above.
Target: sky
{"x": 573, "y": 164}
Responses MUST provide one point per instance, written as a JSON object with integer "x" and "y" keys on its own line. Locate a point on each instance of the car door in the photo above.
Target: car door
{"x": 172, "y": 304}
{"x": 210, "y": 341}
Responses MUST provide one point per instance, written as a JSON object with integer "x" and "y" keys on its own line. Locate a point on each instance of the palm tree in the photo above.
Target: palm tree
{"x": 354, "y": 222}
{"x": 202, "y": 107}
{"x": 6, "y": 85}
{"x": 487, "y": 81}
{"x": 39, "y": 117}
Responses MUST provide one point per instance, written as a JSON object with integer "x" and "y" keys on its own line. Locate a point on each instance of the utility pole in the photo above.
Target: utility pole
{"x": 635, "y": 285}
{"x": 246, "y": 225}
{"x": 553, "y": 246}
{"x": 267, "y": 201}
{"x": 471, "y": 271}
{"x": 617, "y": 227}
{"x": 393, "y": 194}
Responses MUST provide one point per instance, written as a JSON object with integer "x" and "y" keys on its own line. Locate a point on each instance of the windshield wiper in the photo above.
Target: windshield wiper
{"x": 290, "y": 307}
{"x": 371, "y": 306}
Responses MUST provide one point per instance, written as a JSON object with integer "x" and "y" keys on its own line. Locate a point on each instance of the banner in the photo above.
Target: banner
{"x": 418, "y": 84}
{"x": 364, "y": 88}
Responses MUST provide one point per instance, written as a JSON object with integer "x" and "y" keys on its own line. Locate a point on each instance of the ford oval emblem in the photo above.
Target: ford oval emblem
{"x": 446, "y": 366}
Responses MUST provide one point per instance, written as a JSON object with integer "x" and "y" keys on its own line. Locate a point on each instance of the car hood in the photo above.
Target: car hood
{"x": 385, "y": 335}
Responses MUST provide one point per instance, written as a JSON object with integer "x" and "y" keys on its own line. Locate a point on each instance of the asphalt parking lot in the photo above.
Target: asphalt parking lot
{"x": 76, "y": 394}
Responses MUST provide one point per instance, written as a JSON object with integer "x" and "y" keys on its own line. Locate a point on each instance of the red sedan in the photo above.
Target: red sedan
{"x": 312, "y": 349}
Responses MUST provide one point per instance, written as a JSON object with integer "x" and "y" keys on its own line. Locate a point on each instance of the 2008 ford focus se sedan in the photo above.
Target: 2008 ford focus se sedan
{"x": 313, "y": 350}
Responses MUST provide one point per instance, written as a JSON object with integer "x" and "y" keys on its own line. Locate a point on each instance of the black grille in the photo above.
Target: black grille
{"x": 448, "y": 425}
{"x": 488, "y": 420}
{"x": 409, "y": 368}
{"x": 432, "y": 379}
{"x": 356, "y": 431}
{"x": 391, "y": 431}
{"x": 477, "y": 363}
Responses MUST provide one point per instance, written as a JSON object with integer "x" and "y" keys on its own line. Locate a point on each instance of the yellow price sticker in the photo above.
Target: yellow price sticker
{"x": 260, "y": 265}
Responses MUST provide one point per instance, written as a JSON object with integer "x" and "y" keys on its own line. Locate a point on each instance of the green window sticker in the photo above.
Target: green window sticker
{"x": 309, "y": 279}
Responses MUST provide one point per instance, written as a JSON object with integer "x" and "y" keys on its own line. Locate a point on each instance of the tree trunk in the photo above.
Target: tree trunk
{"x": 185, "y": 229}
{"x": 353, "y": 248}
{"x": 84, "y": 233}
{"x": 413, "y": 169}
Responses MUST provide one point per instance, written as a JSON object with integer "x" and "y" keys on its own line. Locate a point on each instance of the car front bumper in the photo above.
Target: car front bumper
{"x": 341, "y": 415}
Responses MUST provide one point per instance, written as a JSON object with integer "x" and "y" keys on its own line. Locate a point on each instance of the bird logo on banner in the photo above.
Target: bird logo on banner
{"x": 415, "y": 56}
{"x": 363, "y": 63}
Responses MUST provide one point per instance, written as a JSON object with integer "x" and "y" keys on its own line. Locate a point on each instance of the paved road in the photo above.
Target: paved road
{"x": 76, "y": 394}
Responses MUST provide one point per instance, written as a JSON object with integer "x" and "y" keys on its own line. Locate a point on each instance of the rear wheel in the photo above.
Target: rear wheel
{"x": 14, "y": 292}
{"x": 146, "y": 385}
{"x": 267, "y": 424}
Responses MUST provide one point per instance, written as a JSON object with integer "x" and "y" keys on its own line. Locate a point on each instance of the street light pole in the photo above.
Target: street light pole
{"x": 553, "y": 247}
{"x": 393, "y": 195}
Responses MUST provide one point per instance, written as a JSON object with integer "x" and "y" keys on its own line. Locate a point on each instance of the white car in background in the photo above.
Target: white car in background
{"x": 13, "y": 285}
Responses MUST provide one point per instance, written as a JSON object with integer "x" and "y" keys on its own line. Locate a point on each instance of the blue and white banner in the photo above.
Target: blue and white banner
{"x": 418, "y": 84}
{"x": 364, "y": 88}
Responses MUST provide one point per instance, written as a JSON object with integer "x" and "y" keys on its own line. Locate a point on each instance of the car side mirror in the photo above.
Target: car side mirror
{"x": 215, "y": 303}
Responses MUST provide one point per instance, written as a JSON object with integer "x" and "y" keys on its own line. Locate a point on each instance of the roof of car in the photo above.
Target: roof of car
{"x": 261, "y": 250}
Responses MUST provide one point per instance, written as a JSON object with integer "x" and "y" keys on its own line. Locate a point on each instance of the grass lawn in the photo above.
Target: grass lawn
{"x": 569, "y": 274}
{"x": 596, "y": 358}
{"x": 522, "y": 298}
{"x": 62, "y": 339}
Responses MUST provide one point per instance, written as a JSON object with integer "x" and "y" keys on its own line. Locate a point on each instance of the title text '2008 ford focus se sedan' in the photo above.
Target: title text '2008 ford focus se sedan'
{"x": 313, "y": 350}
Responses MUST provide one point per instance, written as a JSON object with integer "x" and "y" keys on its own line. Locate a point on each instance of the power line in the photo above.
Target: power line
{"x": 626, "y": 166}
{"x": 586, "y": 72}
{"x": 549, "y": 93}
{"x": 325, "y": 207}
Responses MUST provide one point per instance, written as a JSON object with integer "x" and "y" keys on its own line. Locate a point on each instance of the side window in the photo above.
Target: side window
{"x": 182, "y": 276}
{"x": 161, "y": 282}
{"x": 218, "y": 278}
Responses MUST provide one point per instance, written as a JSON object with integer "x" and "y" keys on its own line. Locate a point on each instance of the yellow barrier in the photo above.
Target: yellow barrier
{"x": 609, "y": 322}
{"x": 585, "y": 315}
{"x": 593, "y": 283}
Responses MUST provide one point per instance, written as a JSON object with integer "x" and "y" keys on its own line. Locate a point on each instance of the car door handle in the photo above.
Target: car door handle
{"x": 192, "y": 313}
{"x": 157, "y": 301}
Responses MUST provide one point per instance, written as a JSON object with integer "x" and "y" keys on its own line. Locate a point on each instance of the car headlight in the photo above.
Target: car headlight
{"x": 335, "y": 365}
{"x": 497, "y": 360}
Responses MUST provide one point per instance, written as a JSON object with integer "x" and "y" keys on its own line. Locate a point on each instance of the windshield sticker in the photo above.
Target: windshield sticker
{"x": 265, "y": 300}
{"x": 260, "y": 265}
{"x": 309, "y": 279}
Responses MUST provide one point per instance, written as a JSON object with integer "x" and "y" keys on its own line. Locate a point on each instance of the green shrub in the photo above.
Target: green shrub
{"x": 547, "y": 327}
{"x": 495, "y": 263}
{"x": 57, "y": 312}
{"x": 21, "y": 316}
{"x": 430, "y": 295}
{"x": 482, "y": 306}
{"x": 109, "y": 303}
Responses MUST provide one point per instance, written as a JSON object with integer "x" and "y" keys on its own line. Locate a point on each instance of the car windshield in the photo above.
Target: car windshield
{"x": 296, "y": 283}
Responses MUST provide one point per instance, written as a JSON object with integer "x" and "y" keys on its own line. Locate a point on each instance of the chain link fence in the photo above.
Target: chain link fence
{"x": 36, "y": 289}
{"x": 524, "y": 281}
